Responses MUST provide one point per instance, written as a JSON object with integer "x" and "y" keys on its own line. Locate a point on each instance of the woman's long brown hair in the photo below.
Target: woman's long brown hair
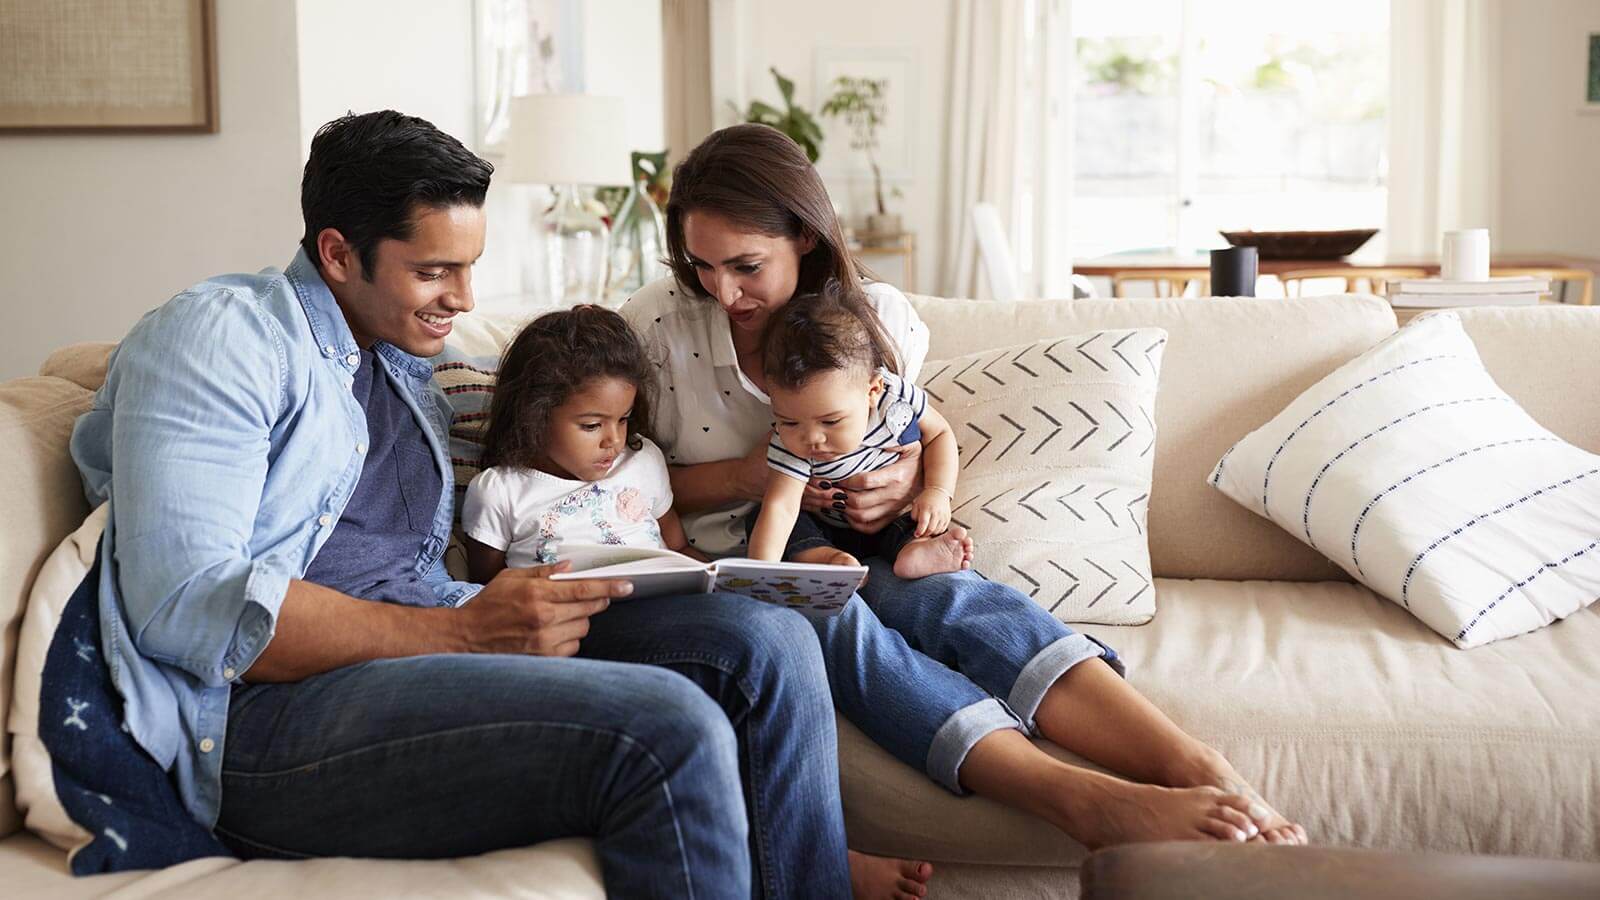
{"x": 758, "y": 178}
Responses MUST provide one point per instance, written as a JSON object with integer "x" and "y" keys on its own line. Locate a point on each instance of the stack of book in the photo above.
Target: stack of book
{"x": 1436, "y": 292}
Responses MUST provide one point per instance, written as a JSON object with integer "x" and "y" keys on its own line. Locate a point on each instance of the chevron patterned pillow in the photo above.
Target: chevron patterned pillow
{"x": 1057, "y": 443}
{"x": 1410, "y": 468}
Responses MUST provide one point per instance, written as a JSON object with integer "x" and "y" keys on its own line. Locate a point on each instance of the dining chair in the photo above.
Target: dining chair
{"x": 1375, "y": 280}
{"x": 1583, "y": 277}
{"x": 1167, "y": 282}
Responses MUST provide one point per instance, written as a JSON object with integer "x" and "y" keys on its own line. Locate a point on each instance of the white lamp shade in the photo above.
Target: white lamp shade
{"x": 568, "y": 139}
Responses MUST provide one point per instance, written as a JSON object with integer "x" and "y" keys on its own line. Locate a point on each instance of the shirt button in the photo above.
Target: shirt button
{"x": 353, "y": 358}
{"x": 328, "y": 349}
{"x": 207, "y": 745}
{"x": 324, "y": 519}
{"x": 361, "y": 448}
{"x": 228, "y": 673}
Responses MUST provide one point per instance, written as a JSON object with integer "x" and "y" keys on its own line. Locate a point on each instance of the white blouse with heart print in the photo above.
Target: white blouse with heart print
{"x": 706, "y": 409}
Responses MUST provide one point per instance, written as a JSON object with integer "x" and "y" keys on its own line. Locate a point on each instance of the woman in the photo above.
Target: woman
{"x": 749, "y": 226}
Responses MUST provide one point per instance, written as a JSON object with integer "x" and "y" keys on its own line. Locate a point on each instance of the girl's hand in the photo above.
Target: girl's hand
{"x": 874, "y": 499}
{"x": 931, "y": 511}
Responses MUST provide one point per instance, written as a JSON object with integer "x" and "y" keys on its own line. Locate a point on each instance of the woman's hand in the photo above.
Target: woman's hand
{"x": 874, "y": 499}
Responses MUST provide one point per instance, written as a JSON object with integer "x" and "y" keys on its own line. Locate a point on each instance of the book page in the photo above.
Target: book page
{"x": 814, "y": 590}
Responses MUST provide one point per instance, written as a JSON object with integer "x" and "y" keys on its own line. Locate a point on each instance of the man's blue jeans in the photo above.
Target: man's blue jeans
{"x": 928, "y": 667}
{"x": 441, "y": 756}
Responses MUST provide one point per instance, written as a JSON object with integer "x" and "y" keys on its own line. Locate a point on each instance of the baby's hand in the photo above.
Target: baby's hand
{"x": 931, "y": 511}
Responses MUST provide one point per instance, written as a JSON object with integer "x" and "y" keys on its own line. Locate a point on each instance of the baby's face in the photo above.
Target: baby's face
{"x": 826, "y": 416}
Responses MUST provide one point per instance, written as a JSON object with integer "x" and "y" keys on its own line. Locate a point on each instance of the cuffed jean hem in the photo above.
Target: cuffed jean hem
{"x": 959, "y": 734}
{"x": 1047, "y": 666}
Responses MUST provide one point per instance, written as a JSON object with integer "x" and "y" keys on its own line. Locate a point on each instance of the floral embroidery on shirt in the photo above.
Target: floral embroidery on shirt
{"x": 632, "y": 506}
{"x": 590, "y": 499}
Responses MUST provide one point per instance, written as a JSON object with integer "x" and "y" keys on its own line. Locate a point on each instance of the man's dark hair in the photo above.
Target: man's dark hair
{"x": 368, "y": 172}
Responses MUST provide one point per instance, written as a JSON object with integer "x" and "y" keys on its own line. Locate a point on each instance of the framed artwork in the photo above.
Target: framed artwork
{"x": 1591, "y": 84}
{"x": 897, "y": 67}
{"x": 523, "y": 47}
{"x": 108, "y": 65}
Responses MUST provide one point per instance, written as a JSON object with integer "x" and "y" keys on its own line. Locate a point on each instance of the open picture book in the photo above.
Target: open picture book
{"x": 810, "y": 588}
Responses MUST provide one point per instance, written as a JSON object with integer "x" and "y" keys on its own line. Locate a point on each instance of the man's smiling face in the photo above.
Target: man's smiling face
{"x": 416, "y": 286}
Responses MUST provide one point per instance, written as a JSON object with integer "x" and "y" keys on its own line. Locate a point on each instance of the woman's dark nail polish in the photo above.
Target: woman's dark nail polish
{"x": 825, "y": 484}
{"x": 839, "y": 496}
{"x": 838, "y": 505}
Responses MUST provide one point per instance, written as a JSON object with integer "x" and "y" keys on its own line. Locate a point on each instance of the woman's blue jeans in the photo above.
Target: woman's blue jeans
{"x": 679, "y": 769}
{"x": 928, "y": 667}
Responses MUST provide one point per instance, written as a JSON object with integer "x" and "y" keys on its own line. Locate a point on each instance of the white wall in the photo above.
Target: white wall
{"x": 414, "y": 56}
{"x": 97, "y": 229}
{"x": 788, "y": 36}
{"x": 1549, "y": 150}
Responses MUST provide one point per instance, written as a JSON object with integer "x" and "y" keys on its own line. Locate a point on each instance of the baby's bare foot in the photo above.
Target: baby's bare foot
{"x": 1113, "y": 811}
{"x": 887, "y": 878}
{"x": 935, "y": 554}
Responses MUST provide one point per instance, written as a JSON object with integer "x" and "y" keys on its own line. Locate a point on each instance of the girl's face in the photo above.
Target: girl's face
{"x": 589, "y": 430}
{"x": 825, "y": 417}
{"x": 750, "y": 275}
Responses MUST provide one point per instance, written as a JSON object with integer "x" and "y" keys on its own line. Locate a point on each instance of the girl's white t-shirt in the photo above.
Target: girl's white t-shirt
{"x": 529, "y": 513}
{"x": 706, "y": 409}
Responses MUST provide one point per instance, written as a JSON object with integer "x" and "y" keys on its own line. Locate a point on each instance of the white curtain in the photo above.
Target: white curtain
{"x": 983, "y": 140}
{"x": 686, "y": 51}
{"x": 1443, "y": 137}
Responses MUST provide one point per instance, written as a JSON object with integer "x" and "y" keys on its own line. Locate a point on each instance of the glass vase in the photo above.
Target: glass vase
{"x": 638, "y": 243}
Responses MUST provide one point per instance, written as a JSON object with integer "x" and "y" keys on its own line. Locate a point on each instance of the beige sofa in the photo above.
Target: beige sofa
{"x": 1348, "y": 713}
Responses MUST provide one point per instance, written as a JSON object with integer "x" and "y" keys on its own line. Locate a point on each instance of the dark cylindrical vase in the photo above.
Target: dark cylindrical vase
{"x": 1233, "y": 272}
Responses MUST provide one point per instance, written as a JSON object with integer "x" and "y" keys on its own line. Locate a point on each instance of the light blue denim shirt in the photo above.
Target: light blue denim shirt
{"x": 228, "y": 441}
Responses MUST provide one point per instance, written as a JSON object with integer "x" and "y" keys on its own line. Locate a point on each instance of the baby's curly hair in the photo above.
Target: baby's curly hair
{"x": 550, "y": 360}
{"x": 834, "y": 328}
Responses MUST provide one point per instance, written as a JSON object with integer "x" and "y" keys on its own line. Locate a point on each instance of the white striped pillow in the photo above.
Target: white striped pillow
{"x": 1414, "y": 472}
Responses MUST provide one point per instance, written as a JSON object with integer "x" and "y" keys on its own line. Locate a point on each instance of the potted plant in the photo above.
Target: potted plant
{"x": 792, "y": 120}
{"x": 862, "y": 104}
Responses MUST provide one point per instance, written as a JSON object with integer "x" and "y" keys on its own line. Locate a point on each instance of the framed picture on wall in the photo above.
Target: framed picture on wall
{"x": 108, "y": 65}
{"x": 1591, "y": 84}
{"x": 896, "y": 67}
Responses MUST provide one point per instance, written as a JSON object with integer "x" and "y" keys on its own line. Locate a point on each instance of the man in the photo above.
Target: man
{"x": 272, "y": 449}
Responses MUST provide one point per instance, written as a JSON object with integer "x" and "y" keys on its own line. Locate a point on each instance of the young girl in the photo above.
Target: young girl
{"x": 564, "y": 456}
{"x": 840, "y": 408}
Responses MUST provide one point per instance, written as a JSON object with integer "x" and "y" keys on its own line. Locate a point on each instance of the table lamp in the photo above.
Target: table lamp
{"x": 567, "y": 140}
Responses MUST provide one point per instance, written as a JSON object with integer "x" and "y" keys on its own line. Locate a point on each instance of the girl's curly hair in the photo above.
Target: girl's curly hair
{"x": 550, "y": 360}
{"x": 832, "y": 329}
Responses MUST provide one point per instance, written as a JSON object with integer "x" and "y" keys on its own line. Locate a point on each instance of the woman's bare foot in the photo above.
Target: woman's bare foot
{"x": 935, "y": 554}
{"x": 887, "y": 878}
{"x": 1214, "y": 770}
{"x": 1103, "y": 810}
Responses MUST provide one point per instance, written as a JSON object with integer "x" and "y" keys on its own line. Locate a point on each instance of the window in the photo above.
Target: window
{"x": 1191, "y": 117}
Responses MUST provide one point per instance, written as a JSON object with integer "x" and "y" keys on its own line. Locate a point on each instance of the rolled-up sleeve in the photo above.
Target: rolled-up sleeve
{"x": 198, "y": 388}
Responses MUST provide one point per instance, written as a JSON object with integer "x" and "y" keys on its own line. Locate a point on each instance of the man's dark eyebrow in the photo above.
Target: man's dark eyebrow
{"x": 445, "y": 263}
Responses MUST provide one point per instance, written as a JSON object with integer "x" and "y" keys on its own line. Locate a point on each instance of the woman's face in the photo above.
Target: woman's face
{"x": 750, "y": 274}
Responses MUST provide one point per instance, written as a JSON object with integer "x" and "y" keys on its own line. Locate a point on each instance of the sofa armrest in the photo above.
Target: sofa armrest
{"x": 82, "y": 364}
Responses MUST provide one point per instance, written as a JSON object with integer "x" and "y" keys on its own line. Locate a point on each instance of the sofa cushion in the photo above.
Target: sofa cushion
{"x": 1424, "y": 480}
{"x": 1230, "y": 365}
{"x": 566, "y": 869}
{"x": 1346, "y": 713}
{"x": 43, "y": 498}
{"x": 1057, "y": 441}
{"x": 83, "y": 364}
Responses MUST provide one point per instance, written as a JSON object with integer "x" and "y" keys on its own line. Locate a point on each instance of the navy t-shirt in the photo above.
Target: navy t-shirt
{"x": 372, "y": 553}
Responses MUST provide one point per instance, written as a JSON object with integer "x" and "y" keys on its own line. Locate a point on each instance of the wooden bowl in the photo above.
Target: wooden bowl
{"x": 1301, "y": 244}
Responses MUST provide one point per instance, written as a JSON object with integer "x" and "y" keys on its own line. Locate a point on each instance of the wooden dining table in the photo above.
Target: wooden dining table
{"x": 1199, "y": 263}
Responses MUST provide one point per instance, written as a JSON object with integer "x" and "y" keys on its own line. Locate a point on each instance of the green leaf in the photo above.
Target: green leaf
{"x": 763, "y": 112}
{"x": 785, "y": 86}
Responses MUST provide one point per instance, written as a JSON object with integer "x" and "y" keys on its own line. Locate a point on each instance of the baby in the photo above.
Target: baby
{"x": 840, "y": 409}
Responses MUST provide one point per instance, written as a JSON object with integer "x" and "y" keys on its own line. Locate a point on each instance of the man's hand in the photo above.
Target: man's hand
{"x": 523, "y": 611}
{"x": 874, "y": 499}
